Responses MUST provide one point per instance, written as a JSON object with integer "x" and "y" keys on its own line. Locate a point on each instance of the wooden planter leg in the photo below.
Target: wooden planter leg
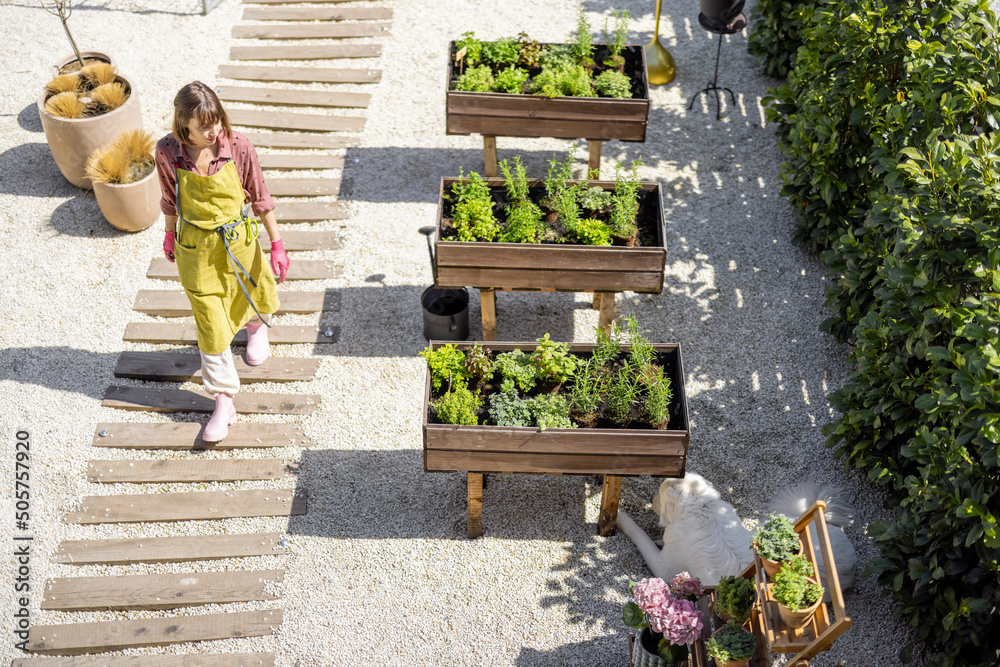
{"x": 597, "y": 301}
{"x": 607, "y": 308}
{"x": 474, "y": 523}
{"x": 593, "y": 161}
{"x": 490, "y": 156}
{"x": 488, "y": 307}
{"x": 608, "y": 518}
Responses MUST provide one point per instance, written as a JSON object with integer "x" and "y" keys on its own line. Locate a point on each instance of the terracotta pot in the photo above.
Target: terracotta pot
{"x": 84, "y": 54}
{"x": 800, "y": 618}
{"x": 130, "y": 207}
{"x": 72, "y": 140}
{"x": 771, "y": 567}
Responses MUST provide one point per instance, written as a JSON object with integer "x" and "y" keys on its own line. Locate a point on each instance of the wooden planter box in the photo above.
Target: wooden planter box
{"x": 551, "y": 266}
{"x": 507, "y": 115}
{"x": 612, "y": 452}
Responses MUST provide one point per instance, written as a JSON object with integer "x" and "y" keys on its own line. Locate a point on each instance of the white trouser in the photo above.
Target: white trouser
{"x": 218, "y": 372}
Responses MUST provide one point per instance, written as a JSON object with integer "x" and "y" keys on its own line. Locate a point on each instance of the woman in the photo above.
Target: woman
{"x": 209, "y": 178}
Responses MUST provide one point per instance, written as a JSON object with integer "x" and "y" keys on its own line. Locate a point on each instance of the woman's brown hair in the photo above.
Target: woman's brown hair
{"x": 196, "y": 100}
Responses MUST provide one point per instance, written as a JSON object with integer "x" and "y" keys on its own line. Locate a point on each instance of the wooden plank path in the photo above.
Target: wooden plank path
{"x": 300, "y": 74}
{"x": 159, "y": 399}
{"x": 310, "y": 30}
{"x": 188, "y": 506}
{"x": 167, "y": 549}
{"x": 302, "y": 269}
{"x": 159, "y": 471}
{"x": 317, "y": 14}
{"x": 318, "y": 52}
{"x": 297, "y": 240}
{"x": 283, "y": 96}
{"x": 283, "y": 120}
{"x": 187, "y": 436}
{"x": 187, "y": 334}
{"x": 168, "y": 303}
{"x": 188, "y": 660}
{"x": 288, "y": 161}
{"x": 180, "y": 367}
{"x": 76, "y": 638}
{"x": 303, "y": 187}
{"x": 159, "y": 591}
{"x": 311, "y": 211}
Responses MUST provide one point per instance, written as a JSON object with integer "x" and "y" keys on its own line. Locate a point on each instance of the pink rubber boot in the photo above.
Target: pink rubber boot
{"x": 224, "y": 415}
{"x": 258, "y": 349}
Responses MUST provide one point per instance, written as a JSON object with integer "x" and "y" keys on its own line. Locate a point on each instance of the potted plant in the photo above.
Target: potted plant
{"x": 63, "y": 9}
{"x": 734, "y": 599}
{"x": 82, "y": 111}
{"x": 776, "y": 541}
{"x": 668, "y": 624}
{"x": 731, "y": 645}
{"x": 560, "y": 233}
{"x": 796, "y": 591}
{"x": 517, "y": 87}
{"x": 124, "y": 179}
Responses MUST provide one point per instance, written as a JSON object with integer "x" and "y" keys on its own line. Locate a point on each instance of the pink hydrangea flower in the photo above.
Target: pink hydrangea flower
{"x": 686, "y": 586}
{"x": 680, "y": 625}
{"x": 652, "y": 596}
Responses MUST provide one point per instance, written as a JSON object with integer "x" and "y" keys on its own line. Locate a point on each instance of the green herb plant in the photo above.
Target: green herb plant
{"x": 731, "y": 643}
{"x": 776, "y": 540}
{"x": 504, "y": 51}
{"x": 550, "y": 411}
{"x": 516, "y": 369}
{"x": 580, "y": 43}
{"x": 792, "y": 586}
{"x": 446, "y": 364}
{"x": 472, "y": 212}
{"x": 524, "y": 217}
{"x": 473, "y": 47}
{"x": 511, "y": 80}
{"x": 658, "y": 398}
{"x": 625, "y": 202}
{"x": 594, "y": 199}
{"x": 458, "y": 406}
{"x": 615, "y": 40}
{"x": 585, "y": 393}
{"x": 478, "y": 364}
{"x": 608, "y": 346}
{"x": 529, "y": 52}
{"x": 612, "y": 83}
{"x": 477, "y": 79}
{"x": 735, "y": 597}
{"x": 622, "y": 395}
{"x": 507, "y": 408}
{"x": 553, "y": 361}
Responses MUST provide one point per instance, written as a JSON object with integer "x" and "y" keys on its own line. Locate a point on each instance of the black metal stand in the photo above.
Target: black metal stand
{"x": 736, "y": 26}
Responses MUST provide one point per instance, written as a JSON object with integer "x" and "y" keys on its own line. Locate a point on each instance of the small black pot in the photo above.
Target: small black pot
{"x": 721, "y": 11}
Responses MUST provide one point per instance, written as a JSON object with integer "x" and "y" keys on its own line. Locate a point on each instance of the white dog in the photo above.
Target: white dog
{"x": 703, "y": 534}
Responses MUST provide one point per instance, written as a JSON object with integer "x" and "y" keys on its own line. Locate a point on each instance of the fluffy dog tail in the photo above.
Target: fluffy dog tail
{"x": 795, "y": 500}
{"x": 650, "y": 552}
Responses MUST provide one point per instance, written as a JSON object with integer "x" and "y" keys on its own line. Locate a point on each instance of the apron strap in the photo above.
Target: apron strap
{"x": 224, "y": 234}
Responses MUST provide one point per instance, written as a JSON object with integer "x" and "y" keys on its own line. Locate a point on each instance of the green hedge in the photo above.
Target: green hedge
{"x": 777, "y": 34}
{"x": 888, "y": 125}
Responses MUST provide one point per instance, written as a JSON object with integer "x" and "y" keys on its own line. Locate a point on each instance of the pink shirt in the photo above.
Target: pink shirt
{"x": 169, "y": 152}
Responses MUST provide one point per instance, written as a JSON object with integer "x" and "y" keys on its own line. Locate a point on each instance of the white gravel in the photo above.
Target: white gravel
{"x": 379, "y": 570}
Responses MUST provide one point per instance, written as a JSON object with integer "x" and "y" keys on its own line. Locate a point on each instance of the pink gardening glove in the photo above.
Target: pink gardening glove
{"x": 168, "y": 246}
{"x": 279, "y": 260}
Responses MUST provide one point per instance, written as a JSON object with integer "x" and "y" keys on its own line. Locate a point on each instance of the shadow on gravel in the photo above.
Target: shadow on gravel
{"x": 28, "y": 170}
{"x": 61, "y": 368}
{"x": 28, "y": 119}
{"x": 606, "y": 650}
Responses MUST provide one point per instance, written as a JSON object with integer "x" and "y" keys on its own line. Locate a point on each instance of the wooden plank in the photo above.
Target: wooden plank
{"x": 303, "y": 187}
{"x": 159, "y": 591}
{"x": 282, "y": 120}
{"x": 488, "y": 309}
{"x": 539, "y": 256}
{"x": 312, "y": 98}
{"x": 636, "y": 443}
{"x": 193, "y": 506}
{"x": 76, "y": 638}
{"x": 160, "y": 471}
{"x": 312, "y": 211}
{"x": 300, "y": 74}
{"x": 537, "y": 279}
{"x": 593, "y": 159}
{"x": 318, "y": 52}
{"x": 187, "y": 436}
{"x": 545, "y": 127}
{"x": 610, "y": 493}
{"x": 302, "y": 269}
{"x": 310, "y": 30}
{"x": 474, "y": 521}
{"x": 300, "y": 140}
{"x": 606, "y": 306}
{"x": 186, "y": 660}
{"x": 187, "y": 334}
{"x": 167, "y": 303}
{"x": 490, "y": 156}
{"x": 569, "y": 464}
{"x": 300, "y": 161}
{"x": 316, "y": 13}
{"x": 167, "y": 549}
{"x": 296, "y": 240}
{"x": 501, "y": 106}
{"x": 161, "y": 399}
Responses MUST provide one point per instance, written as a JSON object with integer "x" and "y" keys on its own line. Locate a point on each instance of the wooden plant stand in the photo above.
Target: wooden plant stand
{"x": 548, "y": 267}
{"x": 596, "y": 119}
{"x": 773, "y": 636}
{"x": 608, "y": 453}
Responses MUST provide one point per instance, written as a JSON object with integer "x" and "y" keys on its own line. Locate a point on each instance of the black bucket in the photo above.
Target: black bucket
{"x": 446, "y": 313}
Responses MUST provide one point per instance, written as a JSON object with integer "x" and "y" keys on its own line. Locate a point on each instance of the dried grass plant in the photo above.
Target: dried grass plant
{"x": 98, "y": 74}
{"x": 109, "y": 96}
{"x": 64, "y": 83}
{"x": 66, "y": 105}
{"x": 127, "y": 159}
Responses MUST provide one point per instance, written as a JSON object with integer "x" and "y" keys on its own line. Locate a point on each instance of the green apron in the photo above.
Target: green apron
{"x": 224, "y": 285}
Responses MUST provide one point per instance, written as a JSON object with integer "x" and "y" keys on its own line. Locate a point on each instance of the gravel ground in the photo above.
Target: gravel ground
{"x": 539, "y": 588}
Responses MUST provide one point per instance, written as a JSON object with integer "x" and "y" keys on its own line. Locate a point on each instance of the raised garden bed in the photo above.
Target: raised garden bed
{"x": 525, "y": 115}
{"x": 604, "y": 449}
{"x": 554, "y": 266}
